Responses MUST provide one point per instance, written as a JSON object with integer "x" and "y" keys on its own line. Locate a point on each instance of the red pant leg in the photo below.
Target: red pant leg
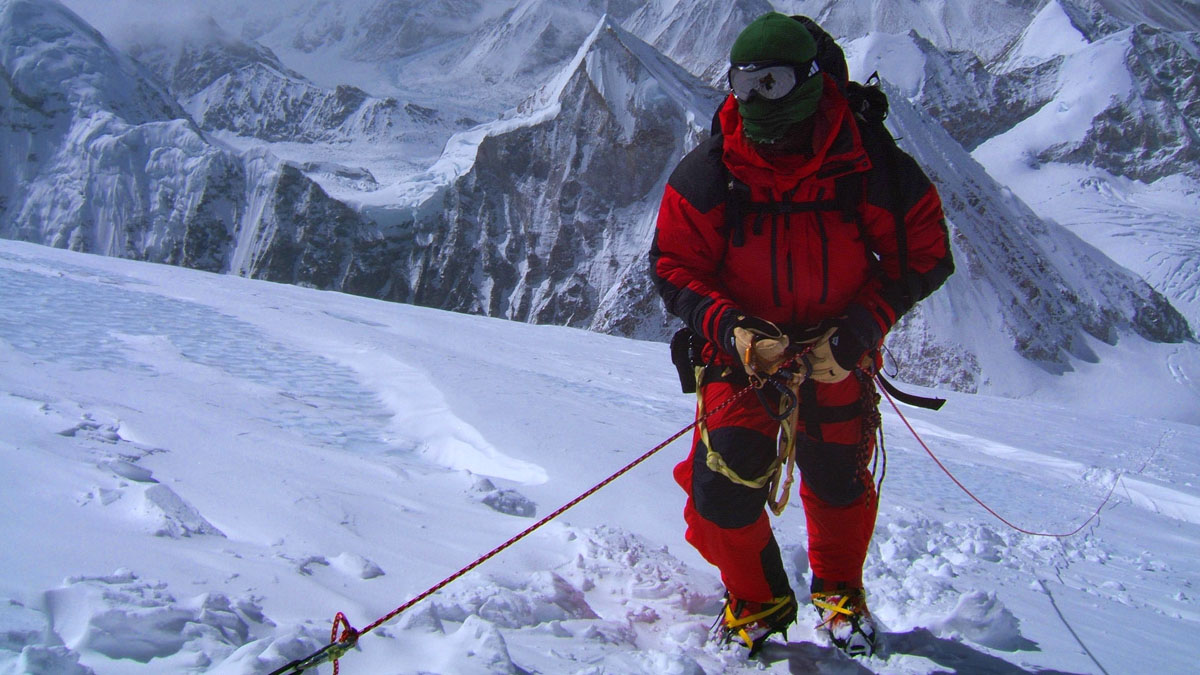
{"x": 838, "y": 537}
{"x": 727, "y": 522}
{"x": 839, "y": 496}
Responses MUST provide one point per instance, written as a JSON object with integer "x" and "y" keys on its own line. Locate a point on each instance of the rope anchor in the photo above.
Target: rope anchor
{"x": 331, "y": 652}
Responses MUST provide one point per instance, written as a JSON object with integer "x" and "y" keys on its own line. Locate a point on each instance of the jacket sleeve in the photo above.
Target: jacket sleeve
{"x": 685, "y": 259}
{"x": 907, "y": 231}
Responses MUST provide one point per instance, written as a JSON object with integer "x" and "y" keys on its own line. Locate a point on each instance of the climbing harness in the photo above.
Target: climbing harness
{"x": 785, "y": 378}
{"x": 786, "y": 455}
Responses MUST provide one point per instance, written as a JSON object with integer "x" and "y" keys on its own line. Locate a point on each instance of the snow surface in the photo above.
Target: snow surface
{"x": 1152, "y": 229}
{"x": 1089, "y": 82}
{"x": 1050, "y": 34}
{"x": 200, "y": 470}
{"x": 895, "y": 58}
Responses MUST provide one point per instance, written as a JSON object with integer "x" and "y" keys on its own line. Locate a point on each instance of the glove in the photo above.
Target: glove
{"x": 844, "y": 345}
{"x": 758, "y": 344}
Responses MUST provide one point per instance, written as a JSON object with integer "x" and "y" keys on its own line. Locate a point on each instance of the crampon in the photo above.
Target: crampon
{"x": 846, "y": 621}
{"x": 751, "y": 623}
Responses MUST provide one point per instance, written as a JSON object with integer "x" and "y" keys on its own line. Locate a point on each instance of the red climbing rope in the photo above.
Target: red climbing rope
{"x": 980, "y": 501}
{"x": 349, "y": 637}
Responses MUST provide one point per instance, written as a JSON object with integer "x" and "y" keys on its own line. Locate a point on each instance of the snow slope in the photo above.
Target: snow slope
{"x": 1146, "y": 218}
{"x": 200, "y": 470}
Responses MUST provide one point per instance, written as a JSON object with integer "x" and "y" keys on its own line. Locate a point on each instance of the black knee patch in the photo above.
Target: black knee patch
{"x": 830, "y": 470}
{"x": 716, "y": 498}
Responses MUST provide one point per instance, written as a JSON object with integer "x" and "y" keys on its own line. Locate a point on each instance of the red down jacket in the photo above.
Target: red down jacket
{"x": 797, "y": 268}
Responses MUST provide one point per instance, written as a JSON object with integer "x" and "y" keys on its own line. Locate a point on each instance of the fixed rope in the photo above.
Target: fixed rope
{"x": 339, "y": 645}
{"x": 1058, "y": 535}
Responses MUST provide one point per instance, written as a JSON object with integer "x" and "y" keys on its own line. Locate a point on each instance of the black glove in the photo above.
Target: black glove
{"x": 857, "y": 333}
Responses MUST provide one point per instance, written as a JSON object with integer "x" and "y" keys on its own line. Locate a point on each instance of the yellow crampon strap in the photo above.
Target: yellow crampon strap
{"x": 780, "y": 491}
{"x": 839, "y": 608}
{"x": 732, "y": 622}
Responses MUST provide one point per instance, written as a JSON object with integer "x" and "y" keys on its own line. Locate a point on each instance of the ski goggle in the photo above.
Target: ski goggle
{"x": 771, "y": 81}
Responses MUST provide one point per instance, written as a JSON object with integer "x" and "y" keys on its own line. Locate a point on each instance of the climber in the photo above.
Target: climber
{"x": 836, "y": 233}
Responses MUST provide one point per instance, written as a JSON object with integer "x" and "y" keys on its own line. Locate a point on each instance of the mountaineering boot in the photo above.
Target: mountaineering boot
{"x": 846, "y": 621}
{"x": 751, "y": 623}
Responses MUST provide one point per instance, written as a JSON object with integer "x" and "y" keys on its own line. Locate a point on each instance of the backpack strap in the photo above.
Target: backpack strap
{"x": 886, "y": 146}
{"x": 737, "y": 204}
{"x": 848, "y": 193}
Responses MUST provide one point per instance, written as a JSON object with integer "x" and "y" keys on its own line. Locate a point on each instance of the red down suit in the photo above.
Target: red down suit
{"x": 794, "y": 267}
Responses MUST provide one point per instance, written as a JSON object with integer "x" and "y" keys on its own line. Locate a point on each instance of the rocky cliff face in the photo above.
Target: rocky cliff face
{"x": 227, "y": 84}
{"x": 1153, "y": 131}
{"x": 555, "y": 208}
{"x": 106, "y": 162}
{"x": 972, "y": 103}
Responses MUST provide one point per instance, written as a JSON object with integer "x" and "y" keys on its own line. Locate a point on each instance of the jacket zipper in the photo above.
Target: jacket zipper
{"x": 775, "y": 258}
{"x": 787, "y": 229}
{"x": 824, "y": 251}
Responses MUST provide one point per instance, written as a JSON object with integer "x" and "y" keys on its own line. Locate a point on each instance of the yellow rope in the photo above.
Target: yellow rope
{"x": 780, "y": 491}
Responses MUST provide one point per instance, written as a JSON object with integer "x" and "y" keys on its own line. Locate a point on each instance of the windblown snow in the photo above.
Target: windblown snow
{"x": 201, "y": 470}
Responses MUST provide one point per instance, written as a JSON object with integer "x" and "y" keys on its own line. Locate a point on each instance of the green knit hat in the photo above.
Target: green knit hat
{"x": 777, "y": 37}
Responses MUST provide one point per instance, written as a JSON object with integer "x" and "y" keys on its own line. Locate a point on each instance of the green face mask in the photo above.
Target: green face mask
{"x": 765, "y": 121}
{"x": 777, "y": 38}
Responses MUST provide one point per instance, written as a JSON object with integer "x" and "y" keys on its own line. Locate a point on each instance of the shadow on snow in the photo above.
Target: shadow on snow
{"x": 951, "y": 655}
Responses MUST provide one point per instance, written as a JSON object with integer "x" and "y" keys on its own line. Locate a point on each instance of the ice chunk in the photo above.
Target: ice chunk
{"x": 981, "y": 617}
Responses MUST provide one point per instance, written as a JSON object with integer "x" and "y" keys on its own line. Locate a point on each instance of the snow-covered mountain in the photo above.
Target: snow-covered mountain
{"x": 492, "y": 54}
{"x": 242, "y": 88}
{"x": 561, "y": 195}
{"x": 200, "y": 470}
{"x": 982, "y": 27}
{"x": 694, "y": 33}
{"x": 1125, "y": 101}
{"x": 101, "y": 159}
{"x": 1113, "y": 151}
{"x": 298, "y": 142}
{"x": 1022, "y": 283}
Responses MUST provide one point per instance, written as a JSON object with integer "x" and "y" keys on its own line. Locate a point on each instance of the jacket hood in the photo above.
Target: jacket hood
{"x": 836, "y": 140}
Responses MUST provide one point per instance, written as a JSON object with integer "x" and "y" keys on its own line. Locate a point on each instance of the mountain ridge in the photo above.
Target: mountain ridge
{"x": 521, "y": 217}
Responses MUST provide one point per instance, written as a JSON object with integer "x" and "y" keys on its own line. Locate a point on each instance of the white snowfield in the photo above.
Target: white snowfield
{"x": 201, "y": 470}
